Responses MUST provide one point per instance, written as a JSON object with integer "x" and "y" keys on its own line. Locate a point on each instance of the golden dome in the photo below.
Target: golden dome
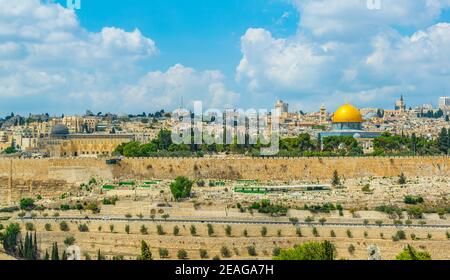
{"x": 347, "y": 114}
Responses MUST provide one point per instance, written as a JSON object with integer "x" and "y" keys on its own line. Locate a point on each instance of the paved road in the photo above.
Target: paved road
{"x": 242, "y": 222}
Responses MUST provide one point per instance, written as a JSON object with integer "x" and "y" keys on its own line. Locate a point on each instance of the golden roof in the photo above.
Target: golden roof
{"x": 347, "y": 114}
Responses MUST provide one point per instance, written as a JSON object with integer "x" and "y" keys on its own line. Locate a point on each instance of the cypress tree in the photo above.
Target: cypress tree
{"x": 146, "y": 255}
{"x": 64, "y": 255}
{"x": 443, "y": 141}
{"x": 55, "y": 254}
{"x": 46, "y": 257}
{"x": 35, "y": 247}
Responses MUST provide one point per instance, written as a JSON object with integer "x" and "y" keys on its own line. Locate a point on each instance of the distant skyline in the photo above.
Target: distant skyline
{"x": 142, "y": 56}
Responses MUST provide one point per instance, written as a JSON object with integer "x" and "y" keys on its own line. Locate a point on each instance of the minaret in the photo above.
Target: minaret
{"x": 323, "y": 114}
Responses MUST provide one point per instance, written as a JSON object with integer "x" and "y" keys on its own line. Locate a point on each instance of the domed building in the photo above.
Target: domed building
{"x": 60, "y": 131}
{"x": 62, "y": 143}
{"x": 347, "y": 117}
{"x": 348, "y": 121}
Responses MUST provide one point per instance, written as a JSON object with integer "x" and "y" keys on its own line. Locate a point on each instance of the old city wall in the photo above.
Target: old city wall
{"x": 31, "y": 177}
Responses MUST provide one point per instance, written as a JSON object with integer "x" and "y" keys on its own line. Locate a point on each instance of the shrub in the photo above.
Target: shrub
{"x": 298, "y": 232}
{"x": 203, "y": 254}
{"x": 309, "y": 219}
{"x": 252, "y": 251}
{"x": 181, "y": 188}
{"x": 21, "y": 214}
{"x": 160, "y": 230}
{"x": 69, "y": 241}
{"x": 165, "y": 216}
{"x": 310, "y": 251}
{"x": 315, "y": 232}
{"x": 200, "y": 183}
{"x": 83, "y": 228}
{"x": 293, "y": 220}
{"x": 225, "y": 252}
{"x": 27, "y": 204}
{"x": 228, "y": 230}
{"x": 279, "y": 233}
{"x": 276, "y": 251}
{"x": 263, "y": 231}
{"x": 29, "y": 227}
{"x": 379, "y": 223}
{"x": 56, "y": 214}
{"x": 245, "y": 233}
{"x": 63, "y": 226}
{"x": 399, "y": 235}
{"x": 144, "y": 230}
{"x": 127, "y": 229}
{"x": 413, "y": 200}
{"x": 402, "y": 179}
{"x": 349, "y": 233}
{"x": 128, "y": 216}
{"x": 448, "y": 235}
{"x": 182, "y": 254}
{"x": 111, "y": 228}
{"x": 64, "y": 207}
{"x": 176, "y": 231}
{"x": 332, "y": 233}
{"x": 193, "y": 230}
{"x": 93, "y": 206}
{"x": 415, "y": 213}
{"x": 163, "y": 253}
{"x": 351, "y": 249}
{"x": 210, "y": 230}
{"x": 322, "y": 221}
{"x": 410, "y": 254}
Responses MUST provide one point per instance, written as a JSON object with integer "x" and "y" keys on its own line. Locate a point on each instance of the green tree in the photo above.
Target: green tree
{"x": 228, "y": 230}
{"x": 225, "y": 252}
{"x": 410, "y": 254}
{"x": 181, "y": 188}
{"x": 55, "y": 253}
{"x": 203, "y": 254}
{"x": 310, "y": 251}
{"x": 27, "y": 204}
{"x": 10, "y": 237}
{"x": 182, "y": 254}
{"x": 146, "y": 255}
{"x": 443, "y": 141}
{"x": 402, "y": 179}
{"x": 336, "y": 181}
{"x": 193, "y": 230}
{"x": 163, "y": 253}
{"x": 210, "y": 229}
{"x": 100, "y": 256}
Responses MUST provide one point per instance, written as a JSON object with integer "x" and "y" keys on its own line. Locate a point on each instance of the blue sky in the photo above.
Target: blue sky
{"x": 201, "y": 33}
{"x": 134, "y": 56}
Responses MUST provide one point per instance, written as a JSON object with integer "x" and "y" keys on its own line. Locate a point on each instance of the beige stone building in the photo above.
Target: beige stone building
{"x": 63, "y": 144}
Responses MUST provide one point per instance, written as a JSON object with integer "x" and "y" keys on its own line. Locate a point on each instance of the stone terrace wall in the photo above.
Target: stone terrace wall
{"x": 56, "y": 176}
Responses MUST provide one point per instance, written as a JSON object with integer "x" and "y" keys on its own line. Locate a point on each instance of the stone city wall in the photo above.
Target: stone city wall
{"x": 31, "y": 177}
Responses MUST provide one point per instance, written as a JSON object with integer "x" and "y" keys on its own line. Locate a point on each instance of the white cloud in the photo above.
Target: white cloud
{"x": 344, "y": 49}
{"x": 46, "y": 55}
{"x": 164, "y": 89}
